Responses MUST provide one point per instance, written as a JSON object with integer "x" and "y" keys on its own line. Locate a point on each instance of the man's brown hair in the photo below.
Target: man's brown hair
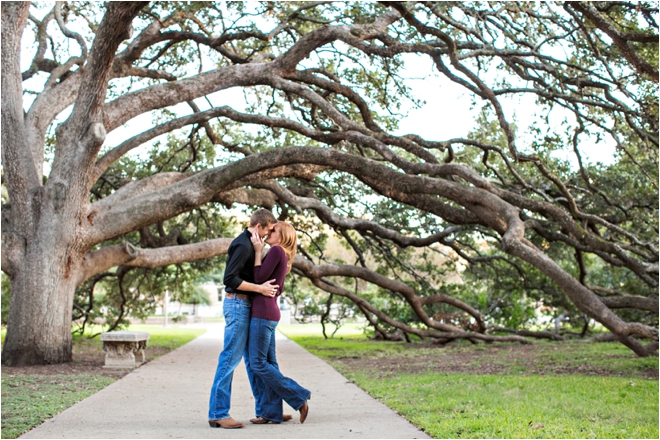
{"x": 262, "y": 217}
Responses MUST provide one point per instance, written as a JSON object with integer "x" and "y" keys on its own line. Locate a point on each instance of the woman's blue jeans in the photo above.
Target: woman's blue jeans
{"x": 237, "y": 320}
{"x": 270, "y": 387}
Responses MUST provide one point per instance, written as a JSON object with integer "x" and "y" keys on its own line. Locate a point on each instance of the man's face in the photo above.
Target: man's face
{"x": 265, "y": 231}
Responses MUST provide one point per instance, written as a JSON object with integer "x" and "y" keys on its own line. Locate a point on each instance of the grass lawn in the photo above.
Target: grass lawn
{"x": 495, "y": 406}
{"x": 169, "y": 338}
{"x": 542, "y": 390}
{"x": 348, "y": 330}
{"x": 30, "y": 399}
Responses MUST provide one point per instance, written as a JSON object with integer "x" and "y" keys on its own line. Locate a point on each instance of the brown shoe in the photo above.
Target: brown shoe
{"x": 303, "y": 412}
{"x": 227, "y": 423}
{"x": 261, "y": 420}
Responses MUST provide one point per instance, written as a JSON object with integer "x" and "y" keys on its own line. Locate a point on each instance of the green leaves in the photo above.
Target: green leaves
{"x": 550, "y": 88}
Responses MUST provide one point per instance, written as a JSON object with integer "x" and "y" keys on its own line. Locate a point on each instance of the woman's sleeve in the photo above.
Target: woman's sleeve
{"x": 265, "y": 272}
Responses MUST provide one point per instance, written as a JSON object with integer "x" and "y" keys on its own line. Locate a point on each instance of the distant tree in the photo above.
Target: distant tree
{"x": 198, "y": 296}
{"x": 325, "y": 87}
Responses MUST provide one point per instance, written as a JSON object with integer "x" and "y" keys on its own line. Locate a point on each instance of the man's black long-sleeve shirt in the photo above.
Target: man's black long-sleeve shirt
{"x": 240, "y": 263}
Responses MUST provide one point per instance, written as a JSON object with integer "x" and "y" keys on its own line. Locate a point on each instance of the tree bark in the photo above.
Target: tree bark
{"x": 50, "y": 229}
{"x": 51, "y": 218}
{"x": 41, "y": 304}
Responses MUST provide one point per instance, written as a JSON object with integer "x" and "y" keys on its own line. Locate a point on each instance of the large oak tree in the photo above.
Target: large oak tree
{"x": 325, "y": 86}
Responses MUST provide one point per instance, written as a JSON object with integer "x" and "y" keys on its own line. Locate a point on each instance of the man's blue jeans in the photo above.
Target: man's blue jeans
{"x": 237, "y": 321}
{"x": 269, "y": 385}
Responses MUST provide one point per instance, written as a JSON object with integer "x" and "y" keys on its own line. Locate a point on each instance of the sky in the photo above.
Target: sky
{"x": 452, "y": 116}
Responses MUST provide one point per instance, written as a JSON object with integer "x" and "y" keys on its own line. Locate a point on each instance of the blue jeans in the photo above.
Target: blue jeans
{"x": 270, "y": 387}
{"x": 237, "y": 322}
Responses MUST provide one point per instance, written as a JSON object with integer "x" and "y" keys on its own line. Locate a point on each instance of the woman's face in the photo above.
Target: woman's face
{"x": 274, "y": 237}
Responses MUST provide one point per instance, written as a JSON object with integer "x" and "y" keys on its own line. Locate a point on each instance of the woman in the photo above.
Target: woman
{"x": 271, "y": 387}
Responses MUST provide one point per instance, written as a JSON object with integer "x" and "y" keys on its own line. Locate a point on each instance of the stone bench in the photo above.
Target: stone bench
{"x": 124, "y": 349}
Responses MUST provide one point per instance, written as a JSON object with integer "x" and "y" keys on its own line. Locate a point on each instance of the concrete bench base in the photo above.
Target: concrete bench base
{"x": 124, "y": 349}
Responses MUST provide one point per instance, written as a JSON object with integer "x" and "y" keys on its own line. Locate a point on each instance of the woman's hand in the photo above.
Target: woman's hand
{"x": 257, "y": 243}
{"x": 268, "y": 288}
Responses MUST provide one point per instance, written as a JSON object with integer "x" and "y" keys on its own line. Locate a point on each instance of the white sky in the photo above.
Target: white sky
{"x": 448, "y": 114}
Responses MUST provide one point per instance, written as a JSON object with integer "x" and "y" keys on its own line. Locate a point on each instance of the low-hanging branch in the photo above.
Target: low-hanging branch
{"x": 327, "y": 88}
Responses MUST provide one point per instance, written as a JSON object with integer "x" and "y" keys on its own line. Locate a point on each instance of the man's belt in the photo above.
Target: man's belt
{"x": 232, "y": 295}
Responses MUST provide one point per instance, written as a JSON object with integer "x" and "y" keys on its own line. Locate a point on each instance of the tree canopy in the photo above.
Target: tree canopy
{"x": 516, "y": 205}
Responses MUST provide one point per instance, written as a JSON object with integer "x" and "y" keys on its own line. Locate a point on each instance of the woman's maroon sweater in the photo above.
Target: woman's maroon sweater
{"x": 272, "y": 267}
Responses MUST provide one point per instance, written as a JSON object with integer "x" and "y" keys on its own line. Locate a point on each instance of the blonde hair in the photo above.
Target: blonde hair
{"x": 288, "y": 242}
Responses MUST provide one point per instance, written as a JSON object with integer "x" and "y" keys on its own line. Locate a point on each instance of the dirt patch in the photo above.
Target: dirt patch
{"x": 521, "y": 359}
{"x": 88, "y": 358}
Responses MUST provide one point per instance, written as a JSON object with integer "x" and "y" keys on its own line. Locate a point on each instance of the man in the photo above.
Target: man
{"x": 239, "y": 285}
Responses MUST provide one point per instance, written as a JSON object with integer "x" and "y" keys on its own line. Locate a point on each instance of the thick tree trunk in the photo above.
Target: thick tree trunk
{"x": 42, "y": 299}
{"x": 47, "y": 223}
{"x": 49, "y": 228}
{"x": 44, "y": 274}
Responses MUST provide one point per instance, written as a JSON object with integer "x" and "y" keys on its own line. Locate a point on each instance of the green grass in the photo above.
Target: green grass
{"x": 171, "y": 337}
{"x": 348, "y": 330}
{"x": 605, "y": 391}
{"x": 348, "y": 347}
{"x": 610, "y": 358}
{"x": 493, "y": 406}
{"x": 349, "y": 341}
{"x": 28, "y": 400}
{"x": 159, "y": 337}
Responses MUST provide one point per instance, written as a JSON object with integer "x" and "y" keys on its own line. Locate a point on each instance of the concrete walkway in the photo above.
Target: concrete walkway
{"x": 168, "y": 398}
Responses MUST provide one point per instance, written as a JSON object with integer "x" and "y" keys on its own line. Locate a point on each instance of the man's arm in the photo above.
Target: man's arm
{"x": 236, "y": 261}
{"x": 266, "y": 289}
